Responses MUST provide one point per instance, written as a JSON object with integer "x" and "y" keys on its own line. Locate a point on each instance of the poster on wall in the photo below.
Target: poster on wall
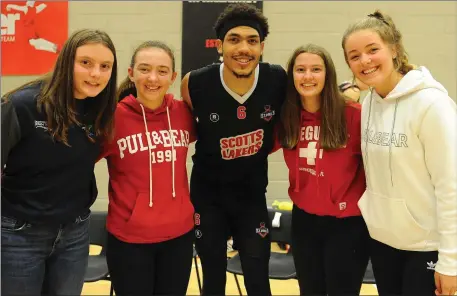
{"x": 198, "y": 36}
{"x": 32, "y": 33}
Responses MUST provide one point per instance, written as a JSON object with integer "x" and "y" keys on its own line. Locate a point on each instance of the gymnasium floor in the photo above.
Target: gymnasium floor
{"x": 289, "y": 287}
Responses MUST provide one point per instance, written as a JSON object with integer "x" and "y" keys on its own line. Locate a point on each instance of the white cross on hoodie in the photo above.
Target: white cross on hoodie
{"x": 409, "y": 147}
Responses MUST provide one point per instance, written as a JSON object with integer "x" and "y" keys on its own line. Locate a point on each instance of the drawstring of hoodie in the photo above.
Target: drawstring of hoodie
{"x": 390, "y": 142}
{"x": 150, "y": 160}
{"x": 318, "y": 145}
{"x": 172, "y": 155}
{"x": 365, "y": 161}
{"x": 297, "y": 170}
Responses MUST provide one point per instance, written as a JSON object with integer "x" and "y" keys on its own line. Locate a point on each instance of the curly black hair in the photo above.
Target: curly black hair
{"x": 242, "y": 11}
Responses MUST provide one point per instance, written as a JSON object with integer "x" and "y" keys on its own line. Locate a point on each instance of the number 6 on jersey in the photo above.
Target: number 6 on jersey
{"x": 241, "y": 112}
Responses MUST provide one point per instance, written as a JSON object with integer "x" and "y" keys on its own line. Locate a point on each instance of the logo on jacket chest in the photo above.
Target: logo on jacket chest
{"x": 41, "y": 124}
{"x": 149, "y": 141}
{"x": 89, "y": 128}
{"x": 268, "y": 114}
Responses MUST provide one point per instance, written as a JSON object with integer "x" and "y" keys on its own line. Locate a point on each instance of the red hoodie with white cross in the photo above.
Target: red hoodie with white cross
{"x": 326, "y": 182}
{"x": 149, "y": 198}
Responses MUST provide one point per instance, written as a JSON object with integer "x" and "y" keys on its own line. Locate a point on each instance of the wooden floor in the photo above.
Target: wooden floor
{"x": 278, "y": 287}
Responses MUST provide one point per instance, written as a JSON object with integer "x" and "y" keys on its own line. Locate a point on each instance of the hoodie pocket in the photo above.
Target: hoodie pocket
{"x": 162, "y": 220}
{"x": 141, "y": 212}
{"x": 390, "y": 221}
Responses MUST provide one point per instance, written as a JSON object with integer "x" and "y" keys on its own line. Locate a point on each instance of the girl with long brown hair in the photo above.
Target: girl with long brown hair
{"x": 51, "y": 133}
{"x": 320, "y": 136}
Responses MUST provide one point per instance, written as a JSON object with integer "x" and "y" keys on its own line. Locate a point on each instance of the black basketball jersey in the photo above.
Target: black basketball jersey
{"x": 233, "y": 138}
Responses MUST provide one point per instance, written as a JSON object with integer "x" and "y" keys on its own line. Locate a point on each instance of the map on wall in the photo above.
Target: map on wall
{"x": 32, "y": 34}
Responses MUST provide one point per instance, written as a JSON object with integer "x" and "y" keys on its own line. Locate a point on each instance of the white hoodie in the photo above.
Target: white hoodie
{"x": 409, "y": 148}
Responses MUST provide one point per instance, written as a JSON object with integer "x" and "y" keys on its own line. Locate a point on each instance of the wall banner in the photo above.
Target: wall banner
{"x": 32, "y": 34}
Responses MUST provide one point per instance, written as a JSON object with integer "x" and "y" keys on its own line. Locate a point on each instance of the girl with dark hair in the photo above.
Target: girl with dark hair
{"x": 51, "y": 133}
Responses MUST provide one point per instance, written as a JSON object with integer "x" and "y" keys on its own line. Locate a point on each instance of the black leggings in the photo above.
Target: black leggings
{"x": 330, "y": 254}
{"x": 230, "y": 214}
{"x": 150, "y": 269}
{"x": 399, "y": 272}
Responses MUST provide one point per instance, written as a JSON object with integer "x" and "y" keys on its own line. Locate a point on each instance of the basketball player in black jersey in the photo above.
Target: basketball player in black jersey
{"x": 236, "y": 105}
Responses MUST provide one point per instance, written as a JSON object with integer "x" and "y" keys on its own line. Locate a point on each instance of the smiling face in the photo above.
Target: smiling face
{"x": 309, "y": 75}
{"x": 152, "y": 75}
{"x": 92, "y": 70}
{"x": 241, "y": 50}
{"x": 371, "y": 59}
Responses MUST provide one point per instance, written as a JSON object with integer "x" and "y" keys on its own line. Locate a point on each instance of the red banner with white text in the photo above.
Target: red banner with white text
{"x": 32, "y": 34}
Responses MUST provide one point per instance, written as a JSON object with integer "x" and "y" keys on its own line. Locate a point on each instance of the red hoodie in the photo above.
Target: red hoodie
{"x": 341, "y": 180}
{"x": 148, "y": 193}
